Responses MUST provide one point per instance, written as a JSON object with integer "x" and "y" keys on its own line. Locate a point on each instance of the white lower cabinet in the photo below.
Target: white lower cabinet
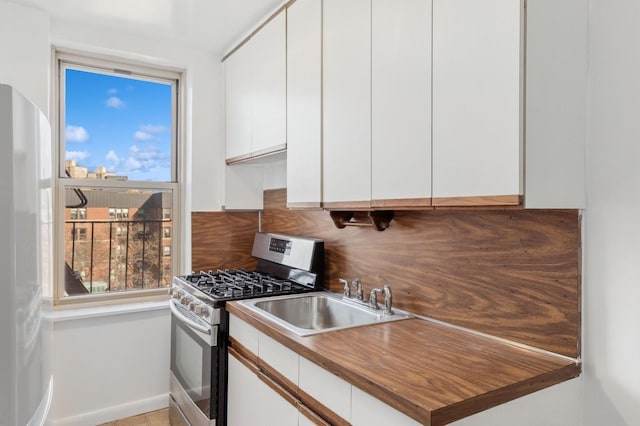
{"x": 268, "y": 408}
{"x": 304, "y": 421}
{"x": 280, "y": 358}
{"x": 271, "y": 408}
{"x": 326, "y": 388}
{"x": 369, "y": 411}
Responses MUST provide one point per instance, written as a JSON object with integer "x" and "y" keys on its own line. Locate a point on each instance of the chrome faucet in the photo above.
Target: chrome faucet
{"x": 387, "y": 299}
{"x": 357, "y": 285}
{"x": 346, "y": 290}
{"x": 373, "y": 299}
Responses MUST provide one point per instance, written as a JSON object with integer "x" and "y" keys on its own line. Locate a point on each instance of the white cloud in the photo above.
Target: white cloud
{"x": 112, "y": 91}
{"x": 112, "y": 158}
{"x": 144, "y": 162}
{"x": 151, "y": 128}
{"x": 143, "y": 136}
{"x": 77, "y": 155}
{"x": 115, "y": 102}
{"x": 132, "y": 164}
{"x": 76, "y": 134}
{"x": 147, "y": 132}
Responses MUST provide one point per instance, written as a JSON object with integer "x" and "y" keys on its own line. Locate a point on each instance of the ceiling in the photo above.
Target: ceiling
{"x": 211, "y": 25}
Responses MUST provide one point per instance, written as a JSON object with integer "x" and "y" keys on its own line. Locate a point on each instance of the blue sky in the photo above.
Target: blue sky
{"x": 121, "y": 123}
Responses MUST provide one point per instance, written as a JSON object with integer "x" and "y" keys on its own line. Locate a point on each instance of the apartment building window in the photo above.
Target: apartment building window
{"x": 77, "y": 214}
{"x": 118, "y": 213}
{"x": 118, "y": 141}
{"x": 81, "y": 234}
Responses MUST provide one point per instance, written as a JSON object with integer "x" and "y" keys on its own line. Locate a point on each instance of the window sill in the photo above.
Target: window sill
{"x": 105, "y": 311}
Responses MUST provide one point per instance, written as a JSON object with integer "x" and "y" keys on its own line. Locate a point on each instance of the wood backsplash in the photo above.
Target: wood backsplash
{"x": 223, "y": 240}
{"x": 510, "y": 273}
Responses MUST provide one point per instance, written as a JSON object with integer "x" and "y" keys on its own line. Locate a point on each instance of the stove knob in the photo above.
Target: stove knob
{"x": 201, "y": 309}
{"x": 184, "y": 299}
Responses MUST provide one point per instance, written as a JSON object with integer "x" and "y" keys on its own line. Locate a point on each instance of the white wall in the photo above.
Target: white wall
{"x": 109, "y": 366}
{"x": 611, "y": 300}
{"x": 24, "y": 52}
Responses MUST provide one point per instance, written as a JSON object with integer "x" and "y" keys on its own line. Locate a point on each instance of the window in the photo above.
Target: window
{"x": 118, "y": 213}
{"x": 81, "y": 234}
{"x": 117, "y": 135}
{"x": 77, "y": 214}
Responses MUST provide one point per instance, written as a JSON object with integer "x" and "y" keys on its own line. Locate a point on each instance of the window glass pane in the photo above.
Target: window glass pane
{"x": 117, "y": 127}
{"x": 117, "y": 254}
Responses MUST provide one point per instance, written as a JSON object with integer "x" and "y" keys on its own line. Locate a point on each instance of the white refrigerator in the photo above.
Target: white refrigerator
{"x": 26, "y": 261}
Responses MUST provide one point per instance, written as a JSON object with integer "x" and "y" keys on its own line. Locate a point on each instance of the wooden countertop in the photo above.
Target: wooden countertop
{"x": 430, "y": 371}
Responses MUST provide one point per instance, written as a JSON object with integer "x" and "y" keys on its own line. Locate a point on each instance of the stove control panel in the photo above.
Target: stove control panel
{"x": 280, "y": 246}
{"x": 194, "y": 302}
{"x": 294, "y": 252}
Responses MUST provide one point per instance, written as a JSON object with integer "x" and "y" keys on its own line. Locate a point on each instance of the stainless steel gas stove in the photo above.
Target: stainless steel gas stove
{"x": 199, "y": 323}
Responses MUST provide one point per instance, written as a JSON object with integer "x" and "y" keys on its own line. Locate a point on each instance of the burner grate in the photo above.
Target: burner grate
{"x": 238, "y": 283}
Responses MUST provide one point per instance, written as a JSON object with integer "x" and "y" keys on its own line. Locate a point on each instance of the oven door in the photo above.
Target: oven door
{"x": 193, "y": 368}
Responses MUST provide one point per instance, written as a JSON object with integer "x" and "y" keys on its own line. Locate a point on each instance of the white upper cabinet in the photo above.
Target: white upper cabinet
{"x": 238, "y": 104}
{"x": 304, "y": 104}
{"x": 477, "y": 102}
{"x": 556, "y": 78}
{"x": 401, "y": 102}
{"x": 346, "y": 103}
{"x": 256, "y": 93}
{"x": 390, "y": 104}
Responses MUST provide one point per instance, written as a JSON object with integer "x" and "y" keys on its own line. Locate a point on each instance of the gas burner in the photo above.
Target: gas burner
{"x": 230, "y": 284}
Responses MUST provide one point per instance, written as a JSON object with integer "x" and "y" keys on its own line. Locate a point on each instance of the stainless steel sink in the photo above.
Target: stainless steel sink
{"x": 313, "y": 313}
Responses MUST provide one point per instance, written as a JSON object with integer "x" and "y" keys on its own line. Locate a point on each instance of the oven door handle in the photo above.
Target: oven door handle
{"x": 179, "y": 315}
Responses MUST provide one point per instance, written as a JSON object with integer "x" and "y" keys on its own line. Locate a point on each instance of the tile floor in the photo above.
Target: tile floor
{"x": 155, "y": 418}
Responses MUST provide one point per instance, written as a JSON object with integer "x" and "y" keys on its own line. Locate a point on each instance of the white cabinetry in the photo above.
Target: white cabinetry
{"x": 401, "y": 102}
{"x": 556, "y": 78}
{"x": 369, "y": 411}
{"x": 267, "y": 406}
{"x": 376, "y": 103}
{"x": 481, "y": 153}
{"x": 256, "y": 94}
{"x": 326, "y": 388}
{"x": 304, "y": 104}
{"x": 477, "y": 100}
{"x": 346, "y": 102}
{"x": 332, "y": 392}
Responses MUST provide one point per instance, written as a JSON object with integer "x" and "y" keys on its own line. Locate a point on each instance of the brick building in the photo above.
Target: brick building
{"x": 117, "y": 239}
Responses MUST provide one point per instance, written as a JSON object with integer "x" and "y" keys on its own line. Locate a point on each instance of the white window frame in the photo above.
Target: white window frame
{"x": 132, "y": 69}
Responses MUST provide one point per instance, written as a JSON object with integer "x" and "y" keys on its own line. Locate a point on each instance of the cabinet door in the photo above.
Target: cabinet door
{"x": 401, "y": 102}
{"x": 326, "y": 388}
{"x": 477, "y": 84}
{"x": 266, "y": 406}
{"x": 369, "y": 411}
{"x": 238, "y": 103}
{"x": 347, "y": 103}
{"x": 268, "y": 119}
{"x": 304, "y": 105}
{"x": 256, "y": 93}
